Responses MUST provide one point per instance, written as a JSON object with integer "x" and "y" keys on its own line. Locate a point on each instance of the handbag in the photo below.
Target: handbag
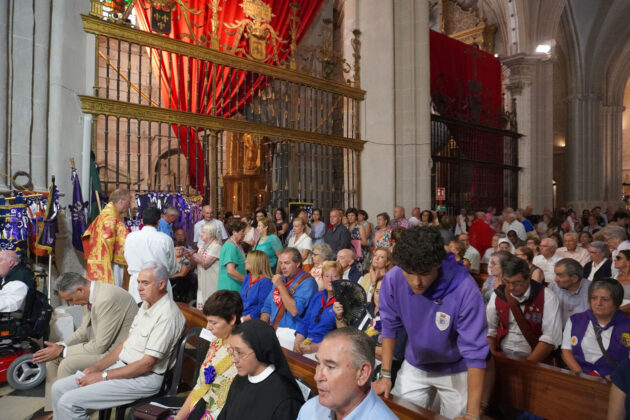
{"x": 150, "y": 411}
{"x": 356, "y": 244}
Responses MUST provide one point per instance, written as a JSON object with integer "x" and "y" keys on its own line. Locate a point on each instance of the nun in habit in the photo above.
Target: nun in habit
{"x": 264, "y": 387}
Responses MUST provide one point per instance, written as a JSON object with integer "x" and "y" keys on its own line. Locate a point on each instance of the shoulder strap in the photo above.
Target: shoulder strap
{"x": 279, "y": 316}
{"x": 283, "y": 309}
{"x": 299, "y": 281}
{"x": 598, "y": 336}
{"x": 523, "y": 325}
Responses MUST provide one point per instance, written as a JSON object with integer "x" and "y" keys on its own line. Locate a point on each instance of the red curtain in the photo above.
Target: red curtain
{"x": 188, "y": 84}
{"x": 453, "y": 65}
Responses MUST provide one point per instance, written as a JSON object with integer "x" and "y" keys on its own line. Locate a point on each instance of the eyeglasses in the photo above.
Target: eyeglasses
{"x": 618, "y": 258}
{"x": 236, "y": 355}
{"x": 315, "y": 255}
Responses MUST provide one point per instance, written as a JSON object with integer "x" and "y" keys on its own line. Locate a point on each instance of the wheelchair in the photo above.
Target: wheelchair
{"x": 21, "y": 334}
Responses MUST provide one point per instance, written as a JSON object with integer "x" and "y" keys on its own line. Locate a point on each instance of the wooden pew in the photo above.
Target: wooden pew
{"x": 549, "y": 392}
{"x": 194, "y": 318}
{"x": 305, "y": 369}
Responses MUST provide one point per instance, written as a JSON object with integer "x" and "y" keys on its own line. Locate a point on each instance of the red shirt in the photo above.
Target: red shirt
{"x": 480, "y": 235}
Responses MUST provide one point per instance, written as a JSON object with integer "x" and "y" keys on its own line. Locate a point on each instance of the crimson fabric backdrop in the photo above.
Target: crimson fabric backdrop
{"x": 453, "y": 65}
{"x": 196, "y": 86}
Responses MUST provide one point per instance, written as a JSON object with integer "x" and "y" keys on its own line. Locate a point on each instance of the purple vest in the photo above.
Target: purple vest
{"x": 618, "y": 348}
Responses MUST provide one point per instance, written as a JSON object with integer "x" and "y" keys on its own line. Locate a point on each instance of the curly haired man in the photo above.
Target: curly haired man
{"x": 437, "y": 301}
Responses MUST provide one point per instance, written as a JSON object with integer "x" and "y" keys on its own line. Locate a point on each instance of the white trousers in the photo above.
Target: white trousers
{"x": 422, "y": 387}
{"x": 73, "y": 402}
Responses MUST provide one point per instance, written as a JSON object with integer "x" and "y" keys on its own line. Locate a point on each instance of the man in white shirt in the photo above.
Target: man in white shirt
{"x": 135, "y": 368}
{"x": 208, "y": 217}
{"x": 472, "y": 255}
{"x": 17, "y": 279}
{"x": 538, "y": 307}
{"x": 547, "y": 258}
{"x": 511, "y": 223}
{"x": 147, "y": 245}
{"x": 572, "y": 250}
{"x": 415, "y": 216}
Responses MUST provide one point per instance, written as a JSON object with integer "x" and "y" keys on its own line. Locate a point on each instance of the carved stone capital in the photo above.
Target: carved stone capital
{"x": 515, "y": 88}
{"x": 521, "y": 69}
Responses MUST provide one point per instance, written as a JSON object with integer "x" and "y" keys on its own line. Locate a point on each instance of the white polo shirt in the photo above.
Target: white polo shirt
{"x": 155, "y": 332}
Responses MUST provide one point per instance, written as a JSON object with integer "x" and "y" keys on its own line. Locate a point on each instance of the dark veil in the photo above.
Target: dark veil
{"x": 261, "y": 337}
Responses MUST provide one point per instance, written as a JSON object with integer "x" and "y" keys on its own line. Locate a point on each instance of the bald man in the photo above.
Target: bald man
{"x": 399, "y": 219}
{"x": 345, "y": 257}
{"x": 208, "y": 217}
{"x": 17, "y": 280}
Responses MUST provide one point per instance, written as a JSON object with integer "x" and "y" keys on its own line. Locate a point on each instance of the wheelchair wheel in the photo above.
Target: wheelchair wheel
{"x": 23, "y": 374}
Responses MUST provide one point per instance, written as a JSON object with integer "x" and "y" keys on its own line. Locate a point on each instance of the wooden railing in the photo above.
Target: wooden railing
{"x": 549, "y": 392}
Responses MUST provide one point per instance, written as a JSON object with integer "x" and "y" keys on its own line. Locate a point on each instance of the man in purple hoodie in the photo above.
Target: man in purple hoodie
{"x": 438, "y": 303}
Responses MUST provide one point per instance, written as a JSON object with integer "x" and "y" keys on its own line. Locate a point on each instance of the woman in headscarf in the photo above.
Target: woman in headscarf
{"x": 506, "y": 245}
{"x": 265, "y": 388}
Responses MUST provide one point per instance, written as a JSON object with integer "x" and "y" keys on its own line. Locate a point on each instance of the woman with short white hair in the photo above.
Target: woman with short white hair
{"x": 207, "y": 258}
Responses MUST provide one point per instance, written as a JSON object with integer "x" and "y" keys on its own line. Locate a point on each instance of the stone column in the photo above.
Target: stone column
{"x": 4, "y": 58}
{"x": 412, "y": 104}
{"x": 25, "y": 100}
{"x": 71, "y": 72}
{"x": 375, "y": 20}
{"x": 530, "y": 82}
{"x": 613, "y": 155}
{"x": 585, "y": 154}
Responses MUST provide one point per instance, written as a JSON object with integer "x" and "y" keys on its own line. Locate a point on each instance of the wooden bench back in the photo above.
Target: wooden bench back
{"x": 548, "y": 391}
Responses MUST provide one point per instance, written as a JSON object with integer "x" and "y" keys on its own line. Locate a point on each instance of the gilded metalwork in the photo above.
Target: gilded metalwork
{"x": 294, "y": 24}
{"x": 100, "y": 27}
{"x": 257, "y": 30}
{"x": 99, "y": 106}
{"x": 465, "y": 25}
{"x": 323, "y": 60}
{"x": 214, "y": 39}
{"x": 356, "y": 54}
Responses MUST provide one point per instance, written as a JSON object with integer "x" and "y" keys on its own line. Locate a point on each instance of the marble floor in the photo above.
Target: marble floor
{"x": 21, "y": 405}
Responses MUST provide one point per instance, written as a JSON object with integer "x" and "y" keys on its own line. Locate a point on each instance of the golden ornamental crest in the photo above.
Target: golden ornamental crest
{"x": 257, "y": 30}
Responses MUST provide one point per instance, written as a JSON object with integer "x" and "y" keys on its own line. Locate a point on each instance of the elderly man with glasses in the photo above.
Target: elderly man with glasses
{"x": 600, "y": 265}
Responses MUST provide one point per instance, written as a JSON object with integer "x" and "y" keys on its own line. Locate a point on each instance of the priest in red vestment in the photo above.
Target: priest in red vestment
{"x": 104, "y": 241}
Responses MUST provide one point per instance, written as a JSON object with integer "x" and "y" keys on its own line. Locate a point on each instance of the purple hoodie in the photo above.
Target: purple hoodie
{"x": 446, "y": 325}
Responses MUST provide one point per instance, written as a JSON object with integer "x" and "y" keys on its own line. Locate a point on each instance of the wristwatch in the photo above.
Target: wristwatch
{"x": 104, "y": 375}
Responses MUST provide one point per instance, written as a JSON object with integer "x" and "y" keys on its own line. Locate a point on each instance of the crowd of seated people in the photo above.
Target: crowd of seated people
{"x": 432, "y": 317}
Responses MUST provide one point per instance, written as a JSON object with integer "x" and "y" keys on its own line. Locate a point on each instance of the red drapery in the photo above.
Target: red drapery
{"x": 188, "y": 84}
{"x": 453, "y": 65}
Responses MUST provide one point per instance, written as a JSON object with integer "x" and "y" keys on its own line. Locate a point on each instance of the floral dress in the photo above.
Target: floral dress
{"x": 382, "y": 238}
{"x": 356, "y": 235}
{"x": 215, "y": 377}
